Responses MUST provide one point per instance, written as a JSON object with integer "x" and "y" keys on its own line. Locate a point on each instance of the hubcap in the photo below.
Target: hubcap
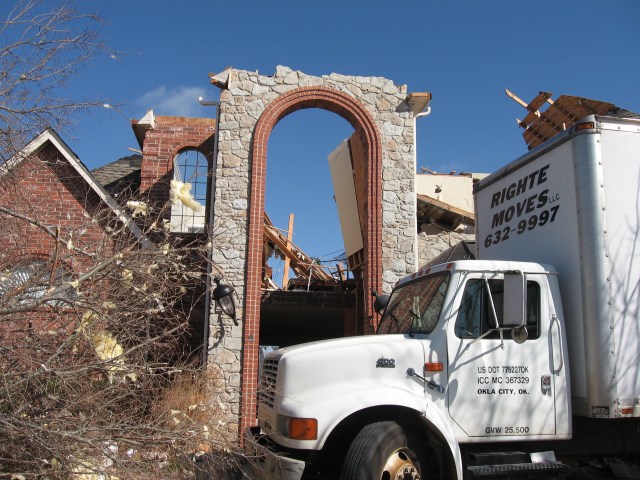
{"x": 399, "y": 466}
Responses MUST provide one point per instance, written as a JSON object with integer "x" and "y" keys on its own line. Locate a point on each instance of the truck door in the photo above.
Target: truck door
{"x": 497, "y": 386}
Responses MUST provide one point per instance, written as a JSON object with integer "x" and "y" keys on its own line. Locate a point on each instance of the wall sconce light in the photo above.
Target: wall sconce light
{"x": 380, "y": 302}
{"x": 224, "y": 296}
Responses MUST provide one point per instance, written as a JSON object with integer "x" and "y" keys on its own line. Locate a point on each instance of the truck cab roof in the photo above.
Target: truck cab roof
{"x": 493, "y": 266}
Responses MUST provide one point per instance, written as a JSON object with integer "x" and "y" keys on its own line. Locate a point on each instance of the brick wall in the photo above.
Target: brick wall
{"x": 168, "y": 138}
{"x": 46, "y": 188}
{"x": 161, "y": 144}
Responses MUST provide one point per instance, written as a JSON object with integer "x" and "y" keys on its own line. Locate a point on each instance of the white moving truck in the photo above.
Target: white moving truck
{"x": 478, "y": 364}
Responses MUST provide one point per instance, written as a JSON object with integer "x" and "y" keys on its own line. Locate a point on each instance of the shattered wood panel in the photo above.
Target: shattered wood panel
{"x": 359, "y": 162}
{"x": 534, "y": 108}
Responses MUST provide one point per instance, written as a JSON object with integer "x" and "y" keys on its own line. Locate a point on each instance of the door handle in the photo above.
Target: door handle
{"x": 554, "y": 320}
{"x": 430, "y": 383}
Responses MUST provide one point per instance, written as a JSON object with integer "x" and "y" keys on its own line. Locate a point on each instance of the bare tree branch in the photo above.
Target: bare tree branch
{"x": 51, "y": 231}
{"x": 90, "y": 354}
{"x": 41, "y": 51}
{"x": 99, "y": 328}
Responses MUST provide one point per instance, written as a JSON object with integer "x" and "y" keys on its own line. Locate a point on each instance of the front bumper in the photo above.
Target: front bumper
{"x": 266, "y": 464}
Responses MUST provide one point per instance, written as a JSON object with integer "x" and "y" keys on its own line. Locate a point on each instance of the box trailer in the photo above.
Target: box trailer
{"x": 574, "y": 203}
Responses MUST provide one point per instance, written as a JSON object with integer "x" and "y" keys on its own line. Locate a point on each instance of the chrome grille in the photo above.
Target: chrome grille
{"x": 267, "y": 391}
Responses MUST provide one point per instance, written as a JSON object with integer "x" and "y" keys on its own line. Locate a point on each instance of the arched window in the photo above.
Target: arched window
{"x": 190, "y": 167}
{"x": 30, "y": 280}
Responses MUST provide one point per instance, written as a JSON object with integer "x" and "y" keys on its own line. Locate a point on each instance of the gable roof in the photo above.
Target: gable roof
{"x": 50, "y": 136}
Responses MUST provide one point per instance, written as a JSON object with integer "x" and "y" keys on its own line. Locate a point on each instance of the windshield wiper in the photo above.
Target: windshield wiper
{"x": 415, "y": 317}
{"x": 389, "y": 312}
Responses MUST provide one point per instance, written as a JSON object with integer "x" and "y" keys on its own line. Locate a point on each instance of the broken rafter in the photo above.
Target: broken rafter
{"x": 300, "y": 262}
{"x": 287, "y": 260}
{"x": 516, "y": 98}
{"x": 560, "y": 115}
{"x": 533, "y": 107}
{"x": 440, "y": 211}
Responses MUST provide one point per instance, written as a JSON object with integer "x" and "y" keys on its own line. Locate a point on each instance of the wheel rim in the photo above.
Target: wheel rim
{"x": 401, "y": 465}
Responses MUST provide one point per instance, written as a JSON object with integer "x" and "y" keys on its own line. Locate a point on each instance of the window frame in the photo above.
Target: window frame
{"x": 486, "y": 331}
{"x": 183, "y": 219}
{"x": 407, "y": 324}
{"x": 23, "y": 273}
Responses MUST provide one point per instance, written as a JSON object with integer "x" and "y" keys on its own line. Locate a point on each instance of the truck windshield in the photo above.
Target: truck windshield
{"x": 415, "y": 306}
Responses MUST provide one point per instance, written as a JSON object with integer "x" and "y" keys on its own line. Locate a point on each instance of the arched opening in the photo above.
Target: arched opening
{"x": 368, "y": 276}
{"x": 308, "y": 292}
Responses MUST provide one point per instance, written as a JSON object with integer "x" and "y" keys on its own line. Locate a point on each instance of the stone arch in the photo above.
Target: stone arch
{"x": 356, "y": 114}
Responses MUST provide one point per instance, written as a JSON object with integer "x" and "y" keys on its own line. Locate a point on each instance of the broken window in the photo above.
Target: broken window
{"x": 189, "y": 192}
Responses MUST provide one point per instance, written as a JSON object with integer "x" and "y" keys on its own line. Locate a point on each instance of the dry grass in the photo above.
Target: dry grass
{"x": 184, "y": 400}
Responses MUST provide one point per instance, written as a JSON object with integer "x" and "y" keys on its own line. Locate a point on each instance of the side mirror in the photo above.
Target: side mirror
{"x": 515, "y": 300}
{"x": 380, "y": 302}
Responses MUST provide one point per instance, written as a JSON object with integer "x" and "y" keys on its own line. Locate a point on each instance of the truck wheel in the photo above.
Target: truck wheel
{"x": 384, "y": 451}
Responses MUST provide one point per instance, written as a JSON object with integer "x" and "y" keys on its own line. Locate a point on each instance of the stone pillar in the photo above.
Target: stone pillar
{"x": 379, "y": 112}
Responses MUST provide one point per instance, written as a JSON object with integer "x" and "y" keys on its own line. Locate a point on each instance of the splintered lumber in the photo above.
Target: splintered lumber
{"x": 287, "y": 260}
{"x": 300, "y": 262}
{"x": 540, "y": 126}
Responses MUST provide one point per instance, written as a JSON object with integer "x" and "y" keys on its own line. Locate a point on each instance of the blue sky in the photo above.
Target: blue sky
{"x": 464, "y": 52}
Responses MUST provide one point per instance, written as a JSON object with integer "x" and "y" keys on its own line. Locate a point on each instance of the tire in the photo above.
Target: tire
{"x": 384, "y": 451}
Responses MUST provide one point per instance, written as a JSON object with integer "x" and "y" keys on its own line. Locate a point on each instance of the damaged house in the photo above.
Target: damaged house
{"x": 393, "y": 220}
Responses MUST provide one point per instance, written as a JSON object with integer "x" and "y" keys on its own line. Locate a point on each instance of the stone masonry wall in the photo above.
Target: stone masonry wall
{"x": 432, "y": 245}
{"x": 243, "y": 101}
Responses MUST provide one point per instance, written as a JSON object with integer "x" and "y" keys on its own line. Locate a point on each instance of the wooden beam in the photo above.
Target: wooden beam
{"x": 287, "y": 261}
{"x": 341, "y": 272}
{"x": 300, "y": 262}
{"x": 445, "y": 207}
{"x": 516, "y": 98}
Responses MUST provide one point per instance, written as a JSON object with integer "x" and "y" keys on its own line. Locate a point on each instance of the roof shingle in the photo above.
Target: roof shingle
{"x": 120, "y": 175}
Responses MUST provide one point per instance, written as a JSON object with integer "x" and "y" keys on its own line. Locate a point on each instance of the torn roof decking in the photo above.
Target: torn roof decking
{"x": 565, "y": 111}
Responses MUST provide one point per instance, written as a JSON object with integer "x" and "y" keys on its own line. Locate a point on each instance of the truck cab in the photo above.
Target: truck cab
{"x": 468, "y": 352}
